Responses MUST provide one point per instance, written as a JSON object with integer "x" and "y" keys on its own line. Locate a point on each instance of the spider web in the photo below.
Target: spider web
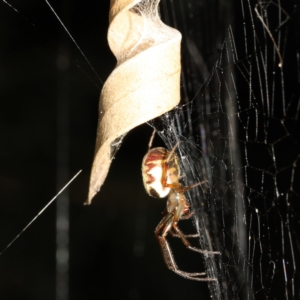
{"x": 238, "y": 129}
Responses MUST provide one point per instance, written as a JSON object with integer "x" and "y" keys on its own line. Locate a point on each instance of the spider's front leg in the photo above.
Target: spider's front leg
{"x": 161, "y": 233}
{"x": 179, "y": 215}
{"x": 184, "y": 217}
{"x": 188, "y": 236}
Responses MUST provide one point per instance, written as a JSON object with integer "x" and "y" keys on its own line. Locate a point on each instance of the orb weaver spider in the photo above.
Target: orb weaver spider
{"x": 161, "y": 174}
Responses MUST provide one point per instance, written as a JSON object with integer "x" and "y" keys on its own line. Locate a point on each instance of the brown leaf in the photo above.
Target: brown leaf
{"x": 144, "y": 85}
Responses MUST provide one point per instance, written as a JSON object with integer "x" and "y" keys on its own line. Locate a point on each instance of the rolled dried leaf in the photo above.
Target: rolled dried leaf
{"x": 145, "y": 83}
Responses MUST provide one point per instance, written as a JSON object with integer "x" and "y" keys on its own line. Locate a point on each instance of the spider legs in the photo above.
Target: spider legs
{"x": 171, "y": 264}
{"x": 187, "y": 243}
{"x": 178, "y": 215}
{"x": 151, "y": 139}
{"x": 166, "y": 226}
{"x": 188, "y": 236}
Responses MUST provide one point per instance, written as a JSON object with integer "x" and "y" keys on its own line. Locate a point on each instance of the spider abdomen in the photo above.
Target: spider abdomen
{"x": 159, "y": 170}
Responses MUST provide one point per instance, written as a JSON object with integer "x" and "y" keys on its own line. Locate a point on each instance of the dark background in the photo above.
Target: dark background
{"x": 48, "y": 117}
{"x": 113, "y": 252}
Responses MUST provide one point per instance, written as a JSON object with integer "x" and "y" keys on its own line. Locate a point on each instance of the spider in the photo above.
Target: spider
{"x": 161, "y": 174}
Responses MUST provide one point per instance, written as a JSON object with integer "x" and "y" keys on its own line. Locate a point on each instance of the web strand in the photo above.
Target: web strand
{"x": 41, "y": 211}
